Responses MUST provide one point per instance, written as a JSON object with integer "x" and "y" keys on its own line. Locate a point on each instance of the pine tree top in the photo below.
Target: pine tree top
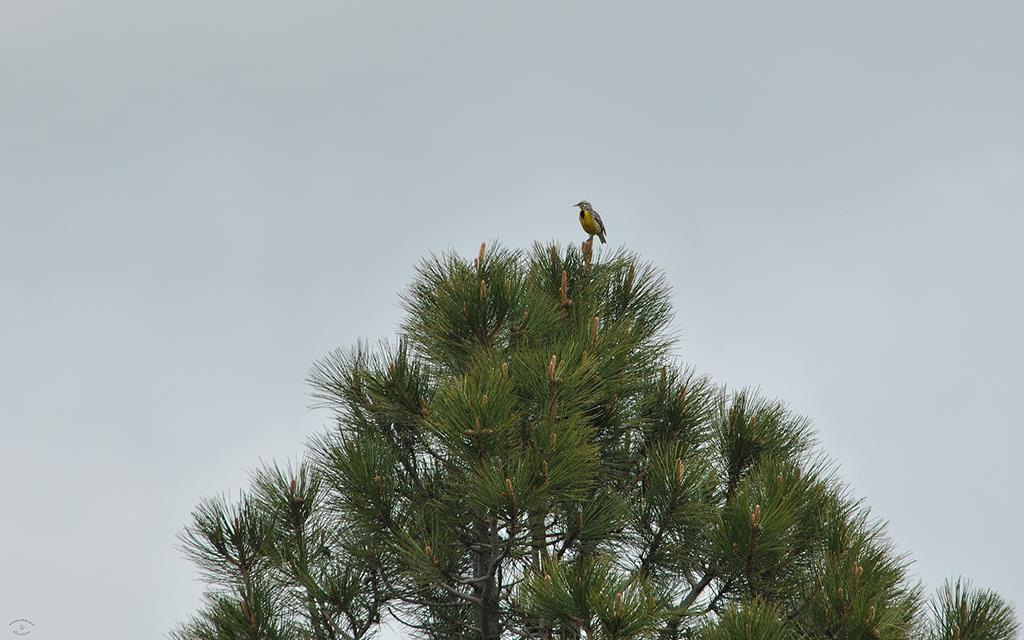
{"x": 530, "y": 459}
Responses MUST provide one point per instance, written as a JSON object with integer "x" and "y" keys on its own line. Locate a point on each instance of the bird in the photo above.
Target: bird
{"x": 591, "y": 221}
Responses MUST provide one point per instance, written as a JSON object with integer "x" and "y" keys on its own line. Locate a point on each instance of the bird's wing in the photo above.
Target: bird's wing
{"x": 600, "y": 222}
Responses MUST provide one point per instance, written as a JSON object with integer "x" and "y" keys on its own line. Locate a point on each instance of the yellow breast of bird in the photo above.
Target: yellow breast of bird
{"x": 588, "y": 223}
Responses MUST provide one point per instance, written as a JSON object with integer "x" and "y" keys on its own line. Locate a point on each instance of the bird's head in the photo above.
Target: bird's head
{"x": 584, "y": 205}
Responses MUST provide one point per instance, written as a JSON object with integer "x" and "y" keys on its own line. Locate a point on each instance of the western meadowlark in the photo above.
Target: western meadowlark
{"x": 591, "y": 221}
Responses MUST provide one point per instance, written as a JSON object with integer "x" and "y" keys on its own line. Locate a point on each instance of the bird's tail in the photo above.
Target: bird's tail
{"x": 601, "y": 236}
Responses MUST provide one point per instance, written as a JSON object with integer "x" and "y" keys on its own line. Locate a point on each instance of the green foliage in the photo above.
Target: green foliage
{"x": 227, "y": 618}
{"x": 960, "y": 613}
{"x": 591, "y": 596}
{"x": 278, "y": 567}
{"x": 754, "y": 620}
{"x": 530, "y": 460}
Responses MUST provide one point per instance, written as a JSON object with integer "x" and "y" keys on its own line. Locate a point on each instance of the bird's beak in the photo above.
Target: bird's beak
{"x": 576, "y": 205}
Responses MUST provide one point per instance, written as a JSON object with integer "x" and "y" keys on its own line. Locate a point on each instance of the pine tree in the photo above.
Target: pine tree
{"x": 530, "y": 460}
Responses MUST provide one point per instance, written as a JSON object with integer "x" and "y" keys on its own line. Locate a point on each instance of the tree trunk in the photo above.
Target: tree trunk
{"x": 485, "y": 587}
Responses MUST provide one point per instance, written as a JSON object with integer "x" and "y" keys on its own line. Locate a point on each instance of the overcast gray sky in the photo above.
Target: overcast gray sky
{"x": 199, "y": 199}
